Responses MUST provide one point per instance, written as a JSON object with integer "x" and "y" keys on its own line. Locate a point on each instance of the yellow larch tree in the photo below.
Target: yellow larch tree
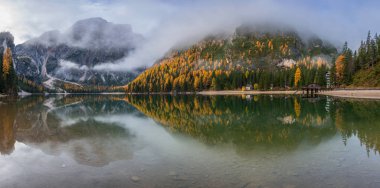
{"x": 297, "y": 77}
{"x": 7, "y": 62}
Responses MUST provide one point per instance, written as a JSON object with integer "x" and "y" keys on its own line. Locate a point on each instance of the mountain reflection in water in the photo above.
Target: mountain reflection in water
{"x": 206, "y": 141}
{"x": 265, "y": 121}
{"x": 66, "y": 124}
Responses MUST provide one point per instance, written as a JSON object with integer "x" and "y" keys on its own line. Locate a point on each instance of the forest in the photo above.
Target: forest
{"x": 261, "y": 60}
{"x": 279, "y": 60}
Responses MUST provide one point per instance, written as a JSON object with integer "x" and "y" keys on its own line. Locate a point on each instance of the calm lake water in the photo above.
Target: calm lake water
{"x": 189, "y": 141}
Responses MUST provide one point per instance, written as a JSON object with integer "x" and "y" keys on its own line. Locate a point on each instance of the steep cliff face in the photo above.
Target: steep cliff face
{"x": 70, "y": 56}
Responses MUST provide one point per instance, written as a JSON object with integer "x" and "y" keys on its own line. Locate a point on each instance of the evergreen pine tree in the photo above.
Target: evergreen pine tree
{"x": 348, "y": 67}
{"x": 377, "y": 39}
{"x": 214, "y": 84}
{"x": 2, "y": 84}
{"x": 333, "y": 73}
{"x": 368, "y": 42}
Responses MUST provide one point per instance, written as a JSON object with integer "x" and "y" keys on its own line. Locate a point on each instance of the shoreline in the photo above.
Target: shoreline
{"x": 344, "y": 93}
{"x": 237, "y": 92}
{"x": 352, "y": 93}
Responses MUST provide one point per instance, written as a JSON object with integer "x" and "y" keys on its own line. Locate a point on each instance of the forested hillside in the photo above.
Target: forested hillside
{"x": 275, "y": 59}
{"x": 260, "y": 58}
{"x": 265, "y": 60}
{"x": 364, "y": 64}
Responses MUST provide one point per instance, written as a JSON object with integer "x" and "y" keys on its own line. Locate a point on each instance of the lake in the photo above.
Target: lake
{"x": 189, "y": 141}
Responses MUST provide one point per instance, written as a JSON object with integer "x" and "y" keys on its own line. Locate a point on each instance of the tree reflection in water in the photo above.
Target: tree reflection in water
{"x": 7, "y": 132}
{"x": 272, "y": 122}
{"x": 275, "y": 123}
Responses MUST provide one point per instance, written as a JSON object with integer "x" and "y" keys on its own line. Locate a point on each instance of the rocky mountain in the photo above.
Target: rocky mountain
{"x": 266, "y": 56}
{"x": 69, "y": 57}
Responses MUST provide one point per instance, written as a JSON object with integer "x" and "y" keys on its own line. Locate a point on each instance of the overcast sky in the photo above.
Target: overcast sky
{"x": 168, "y": 22}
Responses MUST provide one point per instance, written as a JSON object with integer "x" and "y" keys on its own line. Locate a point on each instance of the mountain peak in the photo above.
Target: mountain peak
{"x": 70, "y": 55}
{"x": 99, "y": 33}
{"x": 95, "y": 20}
{"x": 92, "y": 33}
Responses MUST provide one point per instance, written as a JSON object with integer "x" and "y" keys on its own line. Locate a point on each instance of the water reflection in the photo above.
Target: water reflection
{"x": 358, "y": 119}
{"x": 66, "y": 125}
{"x": 266, "y": 121}
{"x": 193, "y": 141}
{"x": 7, "y": 132}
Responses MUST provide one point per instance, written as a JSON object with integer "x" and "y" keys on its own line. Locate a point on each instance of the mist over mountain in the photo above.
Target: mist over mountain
{"x": 264, "y": 55}
{"x": 92, "y": 33}
{"x": 95, "y": 53}
{"x": 70, "y": 56}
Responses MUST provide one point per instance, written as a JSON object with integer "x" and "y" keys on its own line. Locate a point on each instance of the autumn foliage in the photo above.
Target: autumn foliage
{"x": 297, "y": 76}
{"x": 230, "y": 64}
{"x": 7, "y": 62}
{"x": 339, "y": 63}
{"x": 8, "y": 77}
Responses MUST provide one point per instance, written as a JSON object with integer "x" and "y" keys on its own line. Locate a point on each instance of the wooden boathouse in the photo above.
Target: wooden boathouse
{"x": 311, "y": 90}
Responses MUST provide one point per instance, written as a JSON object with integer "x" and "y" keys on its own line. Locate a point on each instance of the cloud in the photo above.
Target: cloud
{"x": 67, "y": 65}
{"x": 168, "y": 23}
{"x": 333, "y": 21}
{"x": 93, "y": 33}
{"x": 27, "y": 19}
